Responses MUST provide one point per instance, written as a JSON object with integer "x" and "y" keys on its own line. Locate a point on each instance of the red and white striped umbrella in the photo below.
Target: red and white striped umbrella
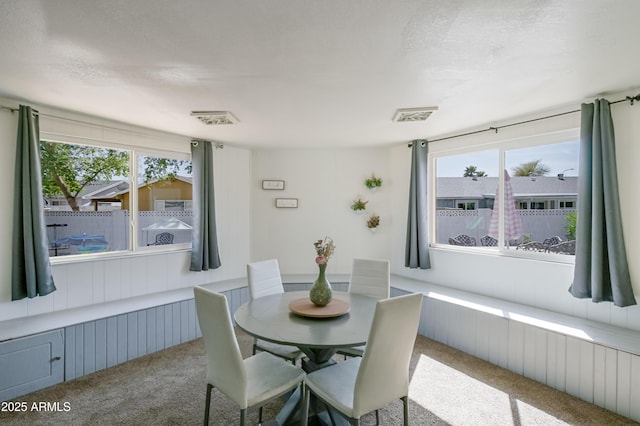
{"x": 512, "y": 220}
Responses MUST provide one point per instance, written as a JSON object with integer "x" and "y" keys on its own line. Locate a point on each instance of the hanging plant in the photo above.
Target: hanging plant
{"x": 373, "y": 222}
{"x": 373, "y": 182}
{"x": 359, "y": 205}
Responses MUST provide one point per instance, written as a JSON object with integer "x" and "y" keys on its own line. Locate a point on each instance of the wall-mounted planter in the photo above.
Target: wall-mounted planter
{"x": 373, "y": 183}
{"x": 373, "y": 223}
{"x": 359, "y": 205}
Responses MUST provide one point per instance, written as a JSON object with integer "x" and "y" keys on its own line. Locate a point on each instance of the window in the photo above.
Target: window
{"x": 466, "y": 205}
{"x": 537, "y": 205}
{"x": 164, "y": 201}
{"x": 528, "y": 206}
{"x": 90, "y": 207}
{"x": 467, "y": 179}
{"x": 567, "y": 205}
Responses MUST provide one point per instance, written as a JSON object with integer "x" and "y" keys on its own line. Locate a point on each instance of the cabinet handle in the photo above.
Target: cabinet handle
{"x": 56, "y": 358}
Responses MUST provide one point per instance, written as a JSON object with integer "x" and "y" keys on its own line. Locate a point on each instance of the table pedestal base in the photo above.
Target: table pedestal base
{"x": 317, "y": 358}
{"x": 318, "y": 415}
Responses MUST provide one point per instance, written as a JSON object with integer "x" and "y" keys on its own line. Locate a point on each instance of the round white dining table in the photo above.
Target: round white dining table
{"x": 270, "y": 318}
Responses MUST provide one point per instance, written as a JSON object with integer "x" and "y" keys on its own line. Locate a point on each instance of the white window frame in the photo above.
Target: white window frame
{"x": 502, "y": 146}
{"x": 134, "y": 151}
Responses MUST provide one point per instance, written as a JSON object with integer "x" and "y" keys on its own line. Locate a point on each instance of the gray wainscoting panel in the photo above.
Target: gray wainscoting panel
{"x": 96, "y": 345}
{"x": 585, "y": 369}
{"x": 31, "y": 363}
{"x": 35, "y": 362}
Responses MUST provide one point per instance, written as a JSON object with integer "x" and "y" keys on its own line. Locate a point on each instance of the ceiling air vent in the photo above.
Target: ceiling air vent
{"x": 404, "y": 115}
{"x": 214, "y": 118}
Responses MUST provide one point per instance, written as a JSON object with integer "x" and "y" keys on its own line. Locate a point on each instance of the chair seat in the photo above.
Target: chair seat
{"x": 289, "y": 352}
{"x": 268, "y": 377}
{"x": 335, "y": 385}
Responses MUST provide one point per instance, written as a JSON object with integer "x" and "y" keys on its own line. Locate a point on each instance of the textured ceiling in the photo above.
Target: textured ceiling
{"x": 312, "y": 73}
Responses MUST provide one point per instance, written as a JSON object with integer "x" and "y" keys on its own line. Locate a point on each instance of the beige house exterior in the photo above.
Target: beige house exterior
{"x": 160, "y": 194}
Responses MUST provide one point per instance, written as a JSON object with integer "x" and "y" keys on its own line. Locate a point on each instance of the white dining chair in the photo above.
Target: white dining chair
{"x": 250, "y": 382}
{"x": 361, "y": 385}
{"x": 264, "y": 279}
{"x": 370, "y": 277}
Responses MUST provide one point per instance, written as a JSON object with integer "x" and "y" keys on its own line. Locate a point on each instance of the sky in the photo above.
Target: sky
{"x": 558, "y": 157}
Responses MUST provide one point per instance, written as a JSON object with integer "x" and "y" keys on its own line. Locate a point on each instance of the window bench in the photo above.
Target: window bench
{"x": 596, "y": 362}
{"x": 592, "y": 361}
{"x": 68, "y": 344}
{"x": 42, "y": 350}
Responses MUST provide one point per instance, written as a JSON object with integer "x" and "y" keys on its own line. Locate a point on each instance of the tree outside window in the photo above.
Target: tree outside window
{"x": 88, "y": 198}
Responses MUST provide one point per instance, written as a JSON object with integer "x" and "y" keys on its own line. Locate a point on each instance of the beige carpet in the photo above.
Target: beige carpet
{"x": 448, "y": 387}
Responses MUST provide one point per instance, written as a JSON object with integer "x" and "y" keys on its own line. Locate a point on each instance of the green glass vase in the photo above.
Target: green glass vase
{"x": 321, "y": 292}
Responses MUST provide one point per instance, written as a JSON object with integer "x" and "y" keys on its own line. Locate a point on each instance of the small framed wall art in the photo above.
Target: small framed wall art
{"x": 287, "y": 203}
{"x": 277, "y": 185}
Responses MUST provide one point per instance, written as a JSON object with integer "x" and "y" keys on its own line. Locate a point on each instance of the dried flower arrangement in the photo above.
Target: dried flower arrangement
{"x": 324, "y": 250}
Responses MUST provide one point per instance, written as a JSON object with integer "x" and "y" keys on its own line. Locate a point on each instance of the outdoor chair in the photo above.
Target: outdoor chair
{"x": 462, "y": 240}
{"x": 551, "y": 241}
{"x": 361, "y": 385}
{"x": 565, "y": 247}
{"x": 250, "y": 382}
{"x": 532, "y": 246}
{"x": 488, "y": 241}
{"x": 370, "y": 277}
{"x": 264, "y": 279}
{"x": 162, "y": 239}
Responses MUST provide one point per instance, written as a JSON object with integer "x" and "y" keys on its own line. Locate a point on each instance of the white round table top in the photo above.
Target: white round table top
{"x": 271, "y": 319}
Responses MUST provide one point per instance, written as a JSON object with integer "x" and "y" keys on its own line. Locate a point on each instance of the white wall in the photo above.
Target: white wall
{"x": 537, "y": 283}
{"x": 326, "y": 181}
{"x": 91, "y": 281}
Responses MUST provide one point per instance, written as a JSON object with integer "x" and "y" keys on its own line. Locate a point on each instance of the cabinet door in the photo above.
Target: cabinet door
{"x": 31, "y": 363}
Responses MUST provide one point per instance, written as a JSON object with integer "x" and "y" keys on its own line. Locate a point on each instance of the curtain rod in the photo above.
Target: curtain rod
{"x": 216, "y": 145}
{"x": 8, "y": 108}
{"x": 631, "y": 100}
{"x": 33, "y": 110}
{"x": 87, "y": 123}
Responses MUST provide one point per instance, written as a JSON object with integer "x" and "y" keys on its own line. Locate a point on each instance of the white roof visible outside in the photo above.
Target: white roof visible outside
{"x": 523, "y": 187}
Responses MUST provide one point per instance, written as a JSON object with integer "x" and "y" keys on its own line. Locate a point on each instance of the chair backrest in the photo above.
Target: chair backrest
{"x": 462, "y": 240}
{"x": 466, "y": 240}
{"x": 225, "y": 368}
{"x": 164, "y": 238}
{"x": 264, "y": 278}
{"x": 566, "y": 247}
{"x": 383, "y": 375}
{"x": 551, "y": 241}
{"x": 488, "y": 241}
{"x": 370, "y": 277}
